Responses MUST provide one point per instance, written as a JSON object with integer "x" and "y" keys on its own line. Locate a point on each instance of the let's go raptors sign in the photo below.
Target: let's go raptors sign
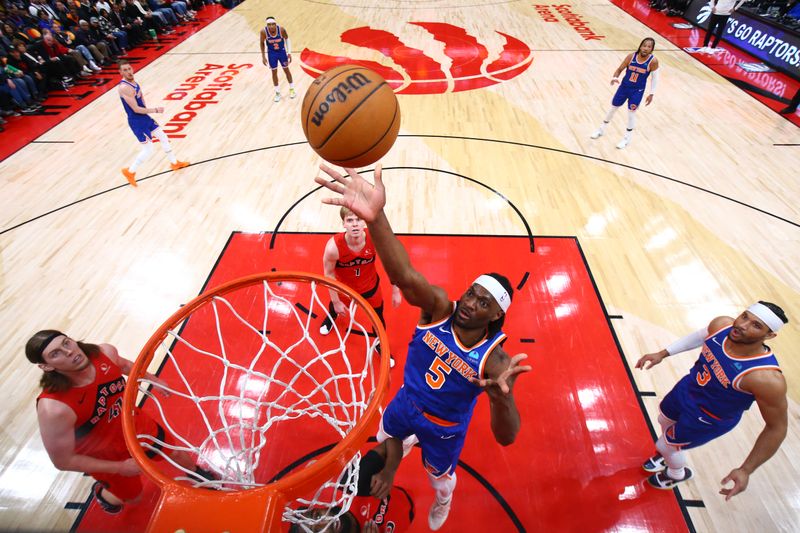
{"x": 469, "y": 69}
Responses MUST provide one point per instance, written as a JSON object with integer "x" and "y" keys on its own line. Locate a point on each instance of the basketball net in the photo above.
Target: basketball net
{"x": 256, "y": 394}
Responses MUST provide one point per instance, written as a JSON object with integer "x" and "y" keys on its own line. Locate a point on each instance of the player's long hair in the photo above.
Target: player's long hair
{"x": 653, "y": 41}
{"x": 497, "y": 325}
{"x": 52, "y": 381}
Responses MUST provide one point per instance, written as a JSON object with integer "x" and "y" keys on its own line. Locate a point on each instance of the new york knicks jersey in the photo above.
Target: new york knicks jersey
{"x": 636, "y": 74}
{"x": 276, "y": 44}
{"x": 438, "y": 368}
{"x": 133, "y": 115}
{"x": 713, "y": 382}
{"x": 356, "y": 269}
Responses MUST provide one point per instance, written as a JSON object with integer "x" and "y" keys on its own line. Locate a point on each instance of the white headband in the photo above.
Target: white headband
{"x": 271, "y": 20}
{"x": 495, "y": 289}
{"x": 767, "y": 316}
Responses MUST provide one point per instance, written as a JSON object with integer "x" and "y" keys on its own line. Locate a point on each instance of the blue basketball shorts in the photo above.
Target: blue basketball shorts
{"x": 629, "y": 94}
{"x": 277, "y": 57}
{"x": 694, "y": 425}
{"x": 143, "y": 127}
{"x": 441, "y": 441}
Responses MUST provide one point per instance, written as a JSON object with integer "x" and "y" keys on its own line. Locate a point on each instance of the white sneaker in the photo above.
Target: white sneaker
{"x": 598, "y": 133}
{"x": 623, "y": 143}
{"x": 325, "y": 328}
{"x": 277, "y": 97}
{"x": 94, "y": 67}
{"x": 292, "y": 94}
{"x": 438, "y": 513}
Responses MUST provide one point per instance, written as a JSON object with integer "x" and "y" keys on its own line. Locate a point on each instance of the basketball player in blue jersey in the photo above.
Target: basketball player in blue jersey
{"x": 279, "y": 50}
{"x": 454, "y": 355}
{"x": 638, "y": 66}
{"x": 735, "y": 368}
{"x": 142, "y": 125}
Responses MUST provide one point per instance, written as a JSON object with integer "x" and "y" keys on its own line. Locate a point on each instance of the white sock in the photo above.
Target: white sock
{"x": 147, "y": 149}
{"x": 291, "y": 85}
{"x": 610, "y": 115}
{"x": 277, "y": 89}
{"x": 631, "y": 119}
{"x": 675, "y": 458}
{"x": 628, "y": 135}
{"x": 444, "y": 486}
{"x": 164, "y": 140}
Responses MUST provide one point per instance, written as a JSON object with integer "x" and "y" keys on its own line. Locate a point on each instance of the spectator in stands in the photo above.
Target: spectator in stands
{"x": 112, "y": 33}
{"x": 102, "y": 6}
{"x": 86, "y": 10}
{"x": 21, "y": 101}
{"x": 721, "y": 11}
{"x": 134, "y": 9}
{"x": 24, "y": 83}
{"x": 158, "y": 6}
{"x": 56, "y": 56}
{"x": 134, "y": 27}
{"x": 47, "y": 22}
{"x": 99, "y": 48}
{"x": 110, "y": 40}
{"x": 31, "y": 68}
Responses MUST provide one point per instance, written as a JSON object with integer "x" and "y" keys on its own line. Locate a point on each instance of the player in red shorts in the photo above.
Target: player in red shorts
{"x": 350, "y": 258}
{"x": 79, "y": 412}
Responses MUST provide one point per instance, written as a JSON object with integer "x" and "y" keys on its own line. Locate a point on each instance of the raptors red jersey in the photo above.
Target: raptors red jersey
{"x": 392, "y": 514}
{"x": 98, "y": 407}
{"x": 356, "y": 269}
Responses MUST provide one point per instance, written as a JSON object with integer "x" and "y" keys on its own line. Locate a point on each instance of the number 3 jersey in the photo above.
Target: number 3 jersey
{"x": 713, "y": 382}
{"x": 438, "y": 369}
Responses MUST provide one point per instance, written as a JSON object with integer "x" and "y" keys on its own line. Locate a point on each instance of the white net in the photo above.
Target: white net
{"x": 254, "y": 391}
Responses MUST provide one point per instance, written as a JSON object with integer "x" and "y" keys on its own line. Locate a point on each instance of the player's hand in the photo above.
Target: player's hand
{"x": 357, "y": 194}
{"x": 288, "y": 59}
{"x": 740, "y": 479}
{"x": 505, "y": 380}
{"x": 614, "y": 81}
{"x": 370, "y": 527}
{"x": 159, "y": 110}
{"x": 648, "y": 100}
{"x": 650, "y": 360}
{"x": 381, "y": 484}
{"x": 397, "y": 296}
{"x": 129, "y": 468}
{"x": 339, "y": 307}
{"x": 264, "y": 60}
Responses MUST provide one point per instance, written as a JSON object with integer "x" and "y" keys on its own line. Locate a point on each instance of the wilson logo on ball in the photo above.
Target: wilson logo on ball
{"x": 470, "y": 67}
{"x": 339, "y": 93}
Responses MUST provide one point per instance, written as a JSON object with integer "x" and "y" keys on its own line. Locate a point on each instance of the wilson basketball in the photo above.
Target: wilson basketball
{"x": 350, "y": 116}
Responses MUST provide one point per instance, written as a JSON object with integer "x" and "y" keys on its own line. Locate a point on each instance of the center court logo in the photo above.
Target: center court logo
{"x": 470, "y": 67}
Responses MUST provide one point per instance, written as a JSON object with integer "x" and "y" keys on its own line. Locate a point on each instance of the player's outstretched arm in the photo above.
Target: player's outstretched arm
{"x": 689, "y": 342}
{"x": 502, "y": 371}
{"x": 367, "y": 201}
{"x": 769, "y": 388}
{"x": 620, "y": 68}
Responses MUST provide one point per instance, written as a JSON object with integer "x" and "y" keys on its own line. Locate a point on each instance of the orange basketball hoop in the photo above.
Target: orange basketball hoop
{"x": 281, "y": 389}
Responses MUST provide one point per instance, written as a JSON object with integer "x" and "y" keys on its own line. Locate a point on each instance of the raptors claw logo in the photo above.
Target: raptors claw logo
{"x": 423, "y": 75}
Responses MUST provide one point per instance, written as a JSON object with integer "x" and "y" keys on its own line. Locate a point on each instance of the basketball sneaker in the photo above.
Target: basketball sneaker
{"x": 624, "y": 142}
{"x": 130, "y": 176}
{"x": 277, "y": 97}
{"x": 662, "y": 481}
{"x": 104, "y": 504}
{"x": 598, "y": 133}
{"x": 325, "y": 328}
{"x": 292, "y": 94}
{"x": 177, "y": 165}
{"x": 438, "y": 513}
{"x": 654, "y": 464}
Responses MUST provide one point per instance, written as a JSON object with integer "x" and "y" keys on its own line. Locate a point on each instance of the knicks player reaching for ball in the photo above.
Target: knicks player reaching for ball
{"x": 80, "y": 420}
{"x": 735, "y": 368}
{"x": 455, "y": 353}
{"x": 350, "y": 258}
{"x": 279, "y": 50}
{"x": 142, "y": 125}
{"x": 637, "y": 66}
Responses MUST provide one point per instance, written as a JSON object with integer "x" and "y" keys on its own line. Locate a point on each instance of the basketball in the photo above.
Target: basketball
{"x": 350, "y": 116}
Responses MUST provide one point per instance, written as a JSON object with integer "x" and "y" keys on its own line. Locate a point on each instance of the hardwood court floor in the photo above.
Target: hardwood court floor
{"x": 697, "y": 217}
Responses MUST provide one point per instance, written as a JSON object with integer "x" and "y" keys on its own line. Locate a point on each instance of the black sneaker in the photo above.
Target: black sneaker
{"x": 104, "y": 504}
{"x": 662, "y": 481}
{"x": 654, "y": 464}
{"x": 788, "y": 110}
